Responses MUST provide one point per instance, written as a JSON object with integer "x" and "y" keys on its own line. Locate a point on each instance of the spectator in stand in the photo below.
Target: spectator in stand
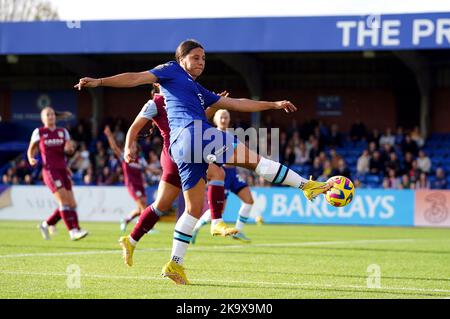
{"x": 414, "y": 172}
{"x": 342, "y": 169}
{"x": 386, "y": 151}
{"x": 6, "y": 180}
{"x": 283, "y": 143}
{"x": 335, "y": 136}
{"x": 374, "y": 137}
{"x": 324, "y": 132}
{"x": 15, "y": 180}
{"x": 372, "y": 148}
{"x": 424, "y": 162}
{"x": 358, "y": 131}
{"x": 409, "y": 146}
{"x": 23, "y": 169}
{"x": 440, "y": 181}
{"x": 399, "y": 136}
{"x": 153, "y": 168}
{"x": 289, "y": 156}
{"x": 407, "y": 162}
{"x": 106, "y": 177}
{"x": 406, "y": 182}
{"x": 393, "y": 163}
{"x": 315, "y": 149}
{"x": 157, "y": 144}
{"x": 417, "y": 137}
{"x": 119, "y": 135}
{"x": 362, "y": 165}
{"x": 81, "y": 134}
{"x": 387, "y": 138}
{"x": 335, "y": 159}
{"x": 316, "y": 169}
{"x": 27, "y": 180}
{"x": 327, "y": 171}
{"x": 393, "y": 180}
{"x": 423, "y": 182}
{"x": 89, "y": 178}
{"x": 376, "y": 165}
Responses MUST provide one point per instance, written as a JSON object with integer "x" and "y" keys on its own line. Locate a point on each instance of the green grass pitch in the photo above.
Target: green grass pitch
{"x": 283, "y": 261}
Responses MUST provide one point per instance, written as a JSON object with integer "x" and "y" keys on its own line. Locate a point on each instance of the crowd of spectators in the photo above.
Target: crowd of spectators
{"x": 397, "y": 158}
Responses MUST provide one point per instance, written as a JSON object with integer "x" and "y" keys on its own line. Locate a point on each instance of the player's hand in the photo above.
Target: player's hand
{"x": 128, "y": 157}
{"x": 87, "y": 82}
{"x": 287, "y": 106}
{"x": 224, "y": 94}
{"x": 107, "y": 130}
{"x": 33, "y": 161}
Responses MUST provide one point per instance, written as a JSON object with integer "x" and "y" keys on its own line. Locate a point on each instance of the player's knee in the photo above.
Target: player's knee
{"x": 216, "y": 173}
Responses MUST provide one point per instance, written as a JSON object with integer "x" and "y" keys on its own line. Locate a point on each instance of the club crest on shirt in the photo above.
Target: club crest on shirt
{"x": 200, "y": 97}
{"x": 60, "y": 134}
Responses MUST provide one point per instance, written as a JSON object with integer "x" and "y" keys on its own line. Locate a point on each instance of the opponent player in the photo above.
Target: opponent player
{"x": 53, "y": 142}
{"x": 170, "y": 184}
{"x": 233, "y": 183}
{"x": 191, "y": 134}
{"x": 134, "y": 180}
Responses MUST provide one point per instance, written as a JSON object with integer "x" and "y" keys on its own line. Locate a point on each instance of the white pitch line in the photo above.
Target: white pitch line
{"x": 212, "y": 248}
{"x": 247, "y": 282}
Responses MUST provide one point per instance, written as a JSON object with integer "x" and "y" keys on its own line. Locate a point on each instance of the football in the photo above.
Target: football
{"x": 342, "y": 192}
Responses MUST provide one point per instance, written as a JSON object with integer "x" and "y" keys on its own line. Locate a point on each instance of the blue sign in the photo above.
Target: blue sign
{"x": 26, "y": 106}
{"x": 329, "y": 105}
{"x": 287, "y": 205}
{"x": 268, "y": 34}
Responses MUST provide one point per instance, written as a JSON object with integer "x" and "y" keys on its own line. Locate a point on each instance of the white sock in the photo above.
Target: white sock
{"x": 276, "y": 173}
{"x": 205, "y": 219}
{"x": 244, "y": 213}
{"x": 182, "y": 236}
{"x": 44, "y": 223}
{"x": 132, "y": 241}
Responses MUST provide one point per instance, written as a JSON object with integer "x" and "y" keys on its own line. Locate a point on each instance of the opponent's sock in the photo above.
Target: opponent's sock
{"x": 244, "y": 213}
{"x": 147, "y": 220}
{"x": 69, "y": 217}
{"x": 54, "y": 218}
{"x": 182, "y": 237}
{"x": 277, "y": 173}
{"x": 216, "y": 198}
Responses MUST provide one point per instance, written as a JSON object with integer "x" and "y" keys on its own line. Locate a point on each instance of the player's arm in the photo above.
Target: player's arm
{"x": 69, "y": 146}
{"x": 210, "y": 111}
{"x": 133, "y": 131}
{"x": 31, "y": 153}
{"x": 112, "y": 142}
{"x": 65, "y": 115}
{"x": 123, "y": 80}
{"x": 33, "y": 147}
{"x": 247, "y": 105}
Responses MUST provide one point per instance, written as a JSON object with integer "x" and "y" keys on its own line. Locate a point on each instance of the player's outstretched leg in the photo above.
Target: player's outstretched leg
{"x": 147, "y": 220}
{"x": 277, "y": 173}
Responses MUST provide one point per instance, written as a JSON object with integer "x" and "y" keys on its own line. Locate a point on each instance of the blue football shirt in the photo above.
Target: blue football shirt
{"x": 186, "y": 99}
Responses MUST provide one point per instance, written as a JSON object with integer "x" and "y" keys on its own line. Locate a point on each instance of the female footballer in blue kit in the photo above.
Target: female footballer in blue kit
{"x": 194, "y": 142}
{"x": 233, "y": 183}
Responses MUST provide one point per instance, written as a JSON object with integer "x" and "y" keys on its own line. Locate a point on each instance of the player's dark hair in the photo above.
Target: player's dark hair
{"x": 155, "y": 90}
{"x": 185, "y": 47}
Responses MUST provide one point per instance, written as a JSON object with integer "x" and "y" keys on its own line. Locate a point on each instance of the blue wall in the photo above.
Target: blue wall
{"x": 330, "y": 33}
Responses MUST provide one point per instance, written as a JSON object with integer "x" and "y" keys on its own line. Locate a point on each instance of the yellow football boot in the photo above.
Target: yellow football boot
{"x": 127, "y": 250}
{"x": 221, "y": 229}
{"x": 312, "y": 189}
{"x": 175, "y": 272}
